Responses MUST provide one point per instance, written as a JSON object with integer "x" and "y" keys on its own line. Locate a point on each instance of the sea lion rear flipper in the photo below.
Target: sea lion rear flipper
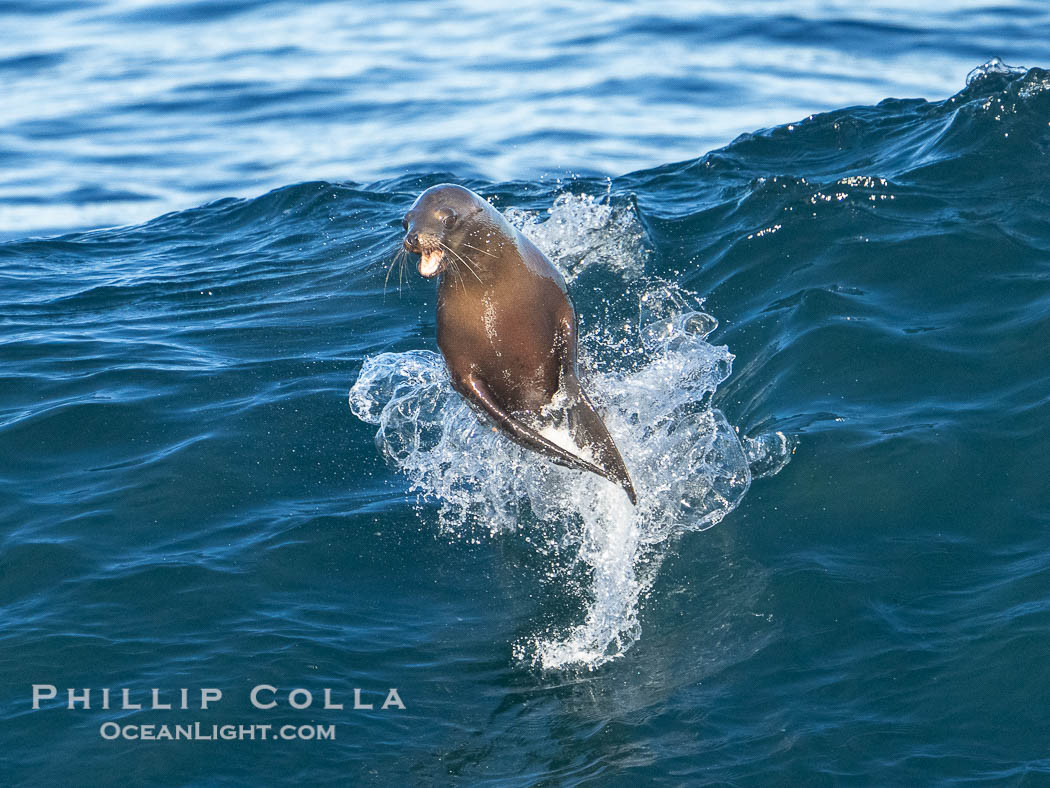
{"x": 478, "y": 392}
{"x": 588, "y": 429}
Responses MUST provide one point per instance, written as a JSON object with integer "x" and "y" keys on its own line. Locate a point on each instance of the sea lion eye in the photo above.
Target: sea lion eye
{"x": 449, "y": 221}
{"x": 404, "y": 222}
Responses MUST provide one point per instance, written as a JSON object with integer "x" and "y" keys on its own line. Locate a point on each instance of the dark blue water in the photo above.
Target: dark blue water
{"x": 839, "y": 568}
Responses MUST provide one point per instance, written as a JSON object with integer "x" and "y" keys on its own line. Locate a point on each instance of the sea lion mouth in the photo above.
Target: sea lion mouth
{"x": 431, "y": 262}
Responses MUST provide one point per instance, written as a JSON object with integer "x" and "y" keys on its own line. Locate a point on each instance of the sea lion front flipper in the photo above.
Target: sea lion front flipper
{"x": 475, "y": 390}
{"x": 585, "y": 425}
{"x": 588, "y": 429}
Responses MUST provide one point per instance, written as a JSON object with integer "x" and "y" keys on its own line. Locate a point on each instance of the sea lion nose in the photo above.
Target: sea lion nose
{"x": 412, "y": 242}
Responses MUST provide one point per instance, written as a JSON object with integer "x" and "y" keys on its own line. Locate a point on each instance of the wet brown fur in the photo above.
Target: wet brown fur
{"x": 506, "y": 326}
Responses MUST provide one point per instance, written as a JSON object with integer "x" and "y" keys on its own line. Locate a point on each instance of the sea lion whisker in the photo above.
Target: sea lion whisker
{"x": 390, "y": 268}
{"x": 462, "y": 259}
{"x": 453, "y": 268}
{"x": 456, "y": 269}
{"x": 459, "y": 272}
{"x": 449, "y": 249}
{"x": 476, "y": 249}
{"x": 401, "y": 271}
{"x": 470, "y": 266}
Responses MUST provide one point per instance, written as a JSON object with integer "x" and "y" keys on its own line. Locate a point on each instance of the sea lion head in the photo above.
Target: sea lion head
{"x": 438, "y": 219}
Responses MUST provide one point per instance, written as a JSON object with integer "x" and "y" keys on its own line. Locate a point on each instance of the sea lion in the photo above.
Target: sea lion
{"x": 507, "y": 328}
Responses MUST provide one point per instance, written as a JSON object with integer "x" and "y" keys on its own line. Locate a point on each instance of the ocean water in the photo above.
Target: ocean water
{"x": 810, "y": 251}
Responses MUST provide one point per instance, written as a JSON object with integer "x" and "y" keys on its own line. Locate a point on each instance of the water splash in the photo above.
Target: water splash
{"x": 993, "y": 67}
{"x": 688, "y": 464}
{"x": 581, "y": 230}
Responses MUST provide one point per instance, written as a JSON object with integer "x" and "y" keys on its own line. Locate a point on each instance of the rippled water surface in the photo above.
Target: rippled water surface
{"x": 815, "y": 311}
{"x": 117, "y": 111}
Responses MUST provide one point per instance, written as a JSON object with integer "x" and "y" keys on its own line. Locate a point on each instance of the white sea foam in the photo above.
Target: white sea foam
{"x": 581, "y": 230}
{"x": 688, "y": 464}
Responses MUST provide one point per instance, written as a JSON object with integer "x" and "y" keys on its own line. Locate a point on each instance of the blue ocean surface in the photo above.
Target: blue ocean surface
{"x": 809, "y": 247}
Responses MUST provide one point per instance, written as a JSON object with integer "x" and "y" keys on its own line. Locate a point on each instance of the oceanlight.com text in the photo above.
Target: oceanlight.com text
{"x": 196, "y": 731}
